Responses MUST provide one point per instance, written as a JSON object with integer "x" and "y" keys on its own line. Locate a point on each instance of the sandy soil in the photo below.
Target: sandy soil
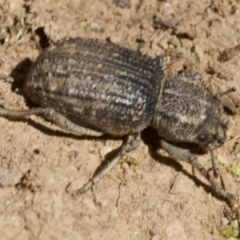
{"x": 41, "y": 166}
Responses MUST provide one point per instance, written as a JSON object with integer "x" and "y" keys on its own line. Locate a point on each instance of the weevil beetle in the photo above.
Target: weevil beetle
{"x": 91, "y": 87}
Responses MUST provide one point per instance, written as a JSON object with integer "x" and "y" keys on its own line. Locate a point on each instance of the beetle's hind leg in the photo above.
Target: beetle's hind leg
{"x": 51, "y": 115}
{"x": 126, "y": 147}
{"x": 7, "y": 78}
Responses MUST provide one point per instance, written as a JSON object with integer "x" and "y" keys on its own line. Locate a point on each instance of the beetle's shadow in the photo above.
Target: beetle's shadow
{"x": 21, "y": 70}
{"x": 19, "y": 73}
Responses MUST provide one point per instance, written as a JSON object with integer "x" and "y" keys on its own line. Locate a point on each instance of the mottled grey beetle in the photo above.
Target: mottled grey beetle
{"x": 90, "y": 87}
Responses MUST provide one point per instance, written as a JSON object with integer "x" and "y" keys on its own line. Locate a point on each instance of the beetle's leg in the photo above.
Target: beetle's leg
{"x": 181, "y": 154}
{"x": 213, "y": 164}
{"x": 7, "y": 78}
{"x": 53, "y": 116}
{"x": 127, "y": 147}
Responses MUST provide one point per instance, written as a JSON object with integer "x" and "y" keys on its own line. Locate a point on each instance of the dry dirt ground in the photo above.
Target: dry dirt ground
{"x": 156, "y": 198}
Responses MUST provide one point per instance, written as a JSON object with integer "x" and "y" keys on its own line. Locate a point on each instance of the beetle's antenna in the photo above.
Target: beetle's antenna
{"x": 213, "y": 165}
{"x": 232, "y": 89}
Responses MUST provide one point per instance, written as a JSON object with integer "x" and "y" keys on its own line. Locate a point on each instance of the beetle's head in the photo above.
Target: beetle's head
{"x": 211, "y": 132}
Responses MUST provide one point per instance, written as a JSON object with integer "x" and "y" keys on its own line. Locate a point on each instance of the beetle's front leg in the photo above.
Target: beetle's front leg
{"x": 183, "y": 155}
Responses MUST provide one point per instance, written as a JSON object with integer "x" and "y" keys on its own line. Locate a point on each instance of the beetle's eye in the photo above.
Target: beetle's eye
{"x": 202, "y": 137}
{"x": 224, "y": 125}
